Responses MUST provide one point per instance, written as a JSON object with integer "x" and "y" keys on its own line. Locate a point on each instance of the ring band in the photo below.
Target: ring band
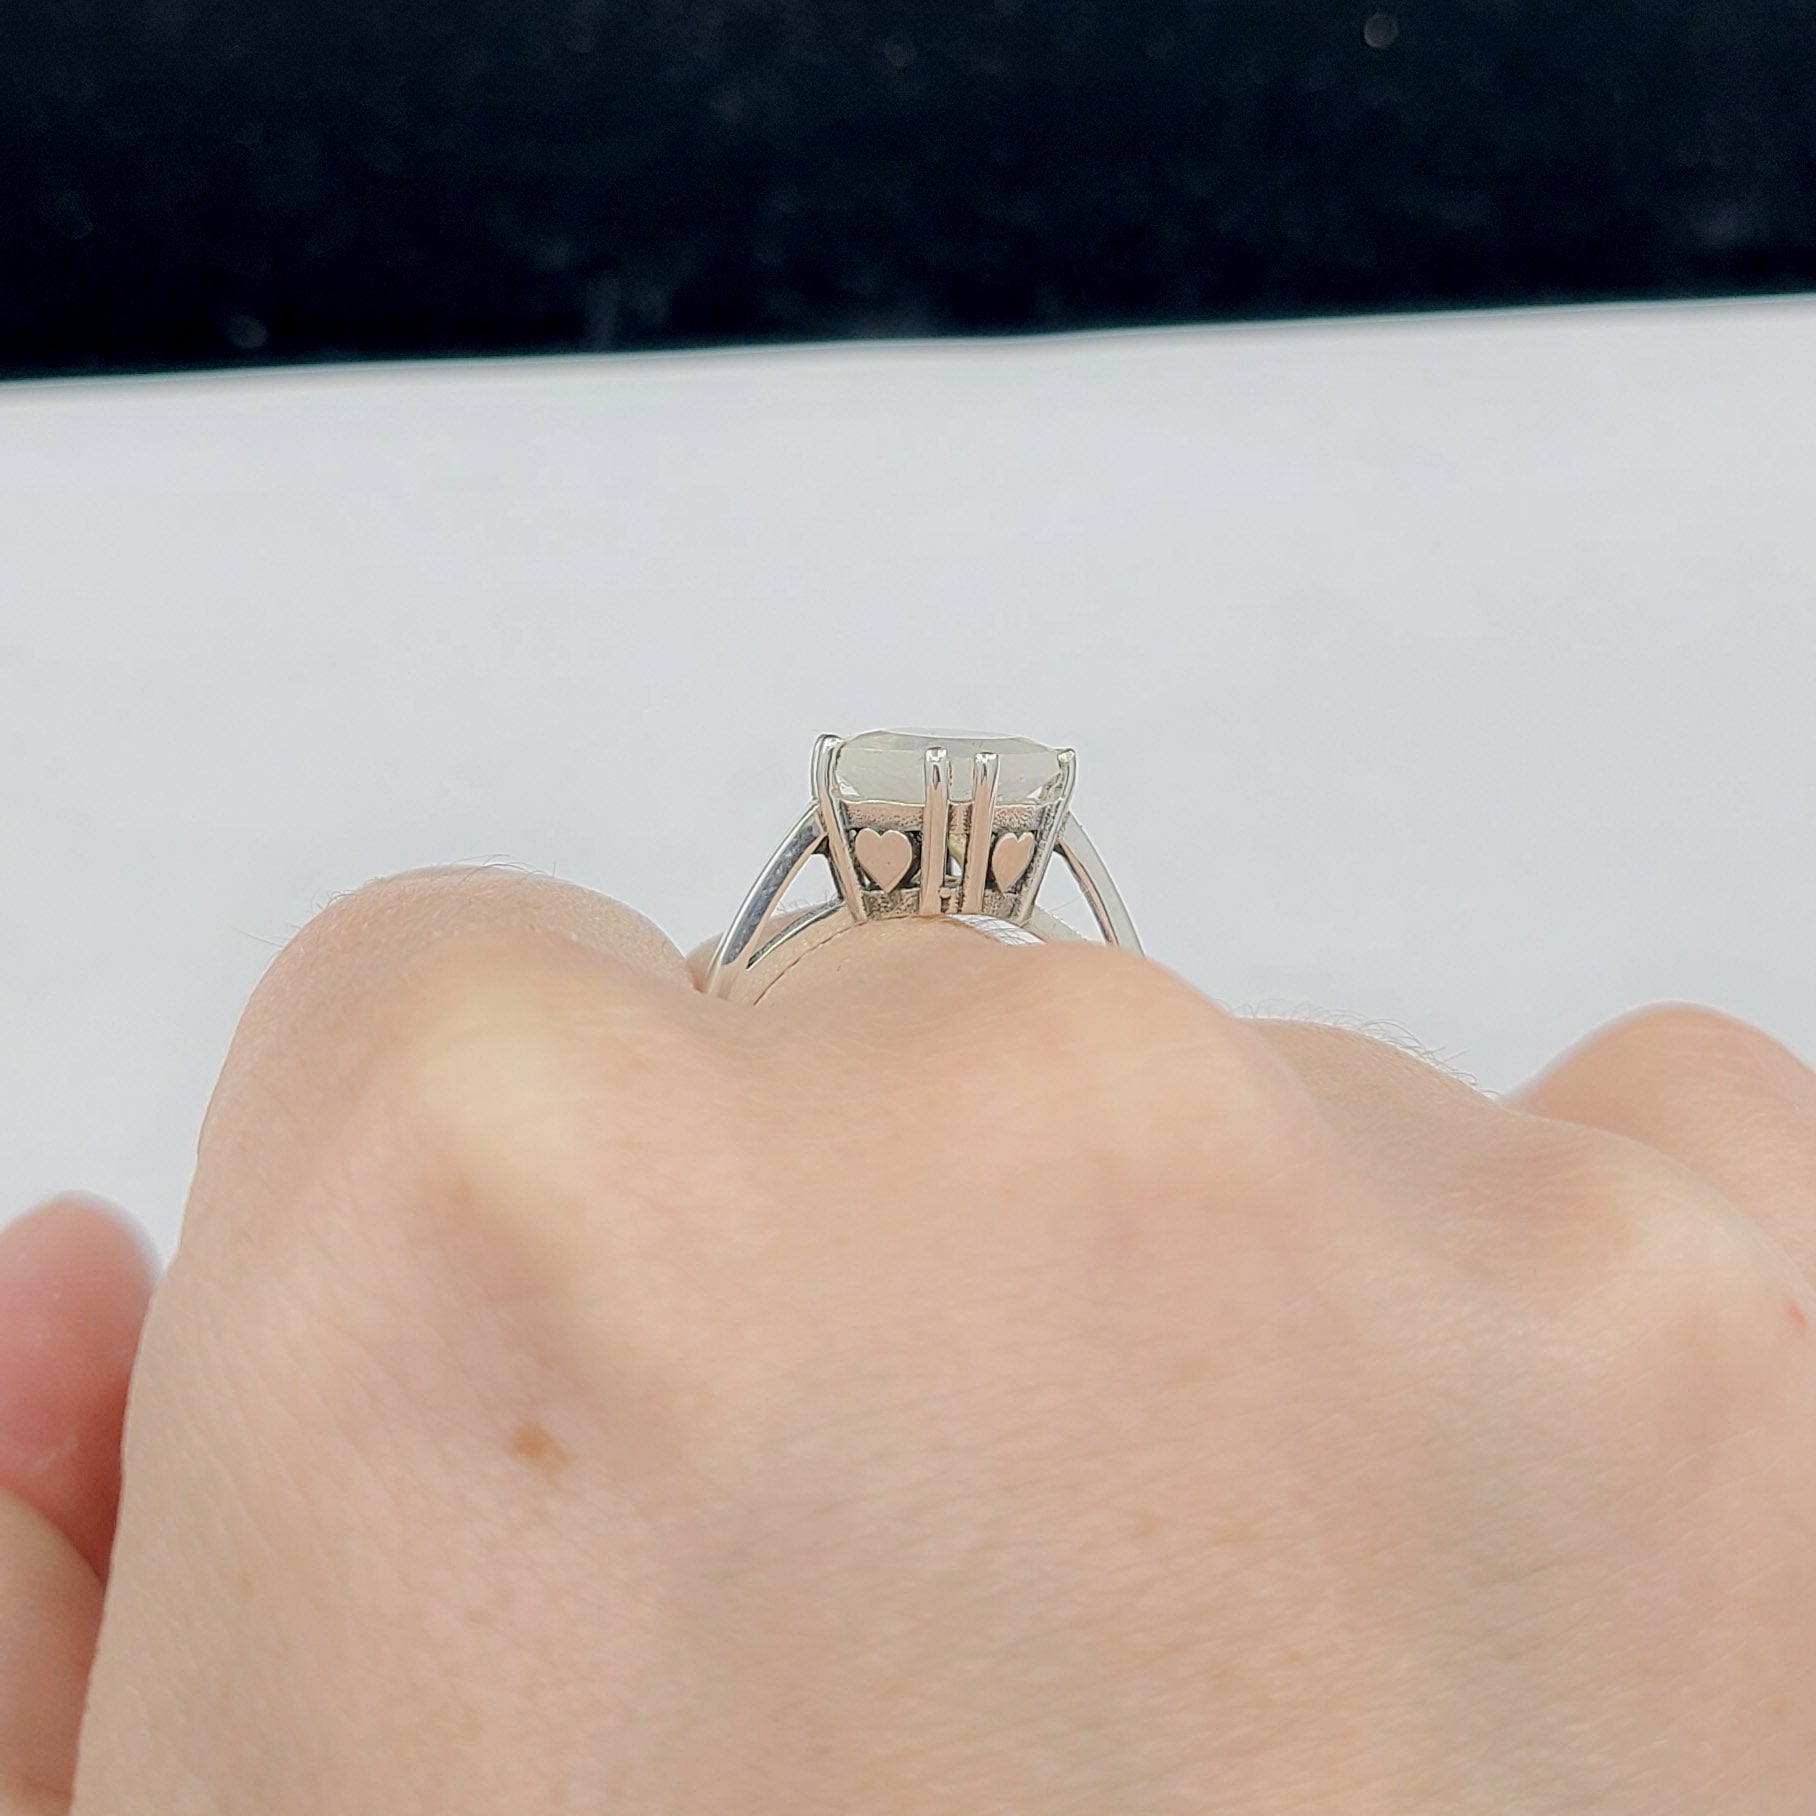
{"x": 921, "y": 824}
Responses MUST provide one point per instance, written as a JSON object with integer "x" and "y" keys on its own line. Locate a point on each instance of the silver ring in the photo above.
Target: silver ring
{"x": 920, "y": 823}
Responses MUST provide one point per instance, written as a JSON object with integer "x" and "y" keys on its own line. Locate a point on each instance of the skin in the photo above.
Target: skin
{"x": 972, "y": 1380}
{"x": 74, "y": 1281}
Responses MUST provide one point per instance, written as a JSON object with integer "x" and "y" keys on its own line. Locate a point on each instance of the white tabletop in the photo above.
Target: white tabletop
{"x": 1454, "y": 673}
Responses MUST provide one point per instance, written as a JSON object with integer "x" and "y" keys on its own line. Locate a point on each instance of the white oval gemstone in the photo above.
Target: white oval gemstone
{"x": 887, "y": 766}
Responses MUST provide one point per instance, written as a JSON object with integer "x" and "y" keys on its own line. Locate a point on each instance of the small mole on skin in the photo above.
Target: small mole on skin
{"x": 1800, "y": 1319}
{"x": 534, "y": 1445}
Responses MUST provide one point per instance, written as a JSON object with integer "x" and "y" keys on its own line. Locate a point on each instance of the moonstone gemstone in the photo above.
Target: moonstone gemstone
{"x": 886, "y": 766}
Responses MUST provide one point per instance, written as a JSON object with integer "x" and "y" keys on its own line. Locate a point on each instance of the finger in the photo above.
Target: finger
{"x": 50, "y": 1614}
{"x": 1390, "y": 1102}
{"x": 929, "y": 968}
{"x": 1723, "y": 1098}
{"x": 354, "y": 982}
{"x": 75, "y": 1280}
{"x": 1140, "y": 1047}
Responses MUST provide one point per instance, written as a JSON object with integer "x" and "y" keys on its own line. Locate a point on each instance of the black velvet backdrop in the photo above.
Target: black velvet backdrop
{"x": 219, "y": 181}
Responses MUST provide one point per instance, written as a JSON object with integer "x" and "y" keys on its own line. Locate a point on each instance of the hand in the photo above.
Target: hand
{"x": 973, "y": 1380}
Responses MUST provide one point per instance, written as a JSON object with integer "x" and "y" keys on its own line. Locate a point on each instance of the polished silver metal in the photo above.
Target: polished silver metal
{"x": 936, "y": 816}
{"x": 1046, "y": 842}
{"x": 980, "y": 834}
{"x": 921, "y": 844}
{"x": 833, "y": 826}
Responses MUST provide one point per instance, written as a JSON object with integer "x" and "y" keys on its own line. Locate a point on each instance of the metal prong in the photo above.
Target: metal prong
{"x": 935, "y": 815}
{"x": 832, "y": 820}
{"x": 981, "y": 834}
{"x": 1053, "y": 817}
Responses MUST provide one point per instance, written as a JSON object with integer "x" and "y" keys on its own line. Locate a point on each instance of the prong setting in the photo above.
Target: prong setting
{"x": 919, "y": 824}
{"x": 832, "y": 824}
{"x": 936, "y": 814}
{"x": 980, "y": 833}
{"x": 1055, "y": 810}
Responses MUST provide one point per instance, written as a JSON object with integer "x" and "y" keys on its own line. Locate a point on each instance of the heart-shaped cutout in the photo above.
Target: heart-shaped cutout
{"x": 1010, "y": 860}
{"x": 886, "y": 856}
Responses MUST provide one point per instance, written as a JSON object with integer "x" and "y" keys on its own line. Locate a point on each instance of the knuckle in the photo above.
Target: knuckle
{"x": 1090, "y": 991}
{"x": 1640, "y": 1272}
{"x": 364, "y": 942}
{"x": 376, "y": 917}
{"x": 1693, "y": 1043}
{"x": 473, "y": 1043}
{"x": 501, "y": 1080}
{"x": 1149, "y": 1081}
{"x": 495, "y": 1185}
{"x": 511, "y": 1058}
{"x": 1602, "y": 1202}
{"x": 1587, "y": 1177}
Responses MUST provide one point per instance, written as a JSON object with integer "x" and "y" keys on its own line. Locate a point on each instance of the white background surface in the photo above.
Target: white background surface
{"x": 1456, "y": 673}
